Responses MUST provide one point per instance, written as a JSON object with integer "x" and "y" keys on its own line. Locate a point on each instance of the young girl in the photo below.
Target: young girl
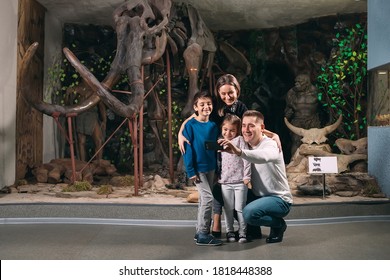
{"x": 234, "y": 179}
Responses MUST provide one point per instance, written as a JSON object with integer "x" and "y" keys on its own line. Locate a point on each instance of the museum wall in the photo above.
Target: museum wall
{"x": 378, "y": 30}
{"x": 8, "y": 32}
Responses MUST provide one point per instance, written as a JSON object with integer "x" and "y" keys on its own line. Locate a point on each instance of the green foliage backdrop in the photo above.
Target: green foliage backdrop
{"x": 342, "y": 83}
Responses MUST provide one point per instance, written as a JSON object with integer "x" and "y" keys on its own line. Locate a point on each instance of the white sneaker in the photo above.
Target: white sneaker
{"x": 242, "y": 239}
{"x": 230, "y": 237}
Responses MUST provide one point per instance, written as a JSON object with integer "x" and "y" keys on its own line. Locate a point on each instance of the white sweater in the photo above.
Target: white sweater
{"x": 234, "y": 168}
{"x": 268, "y": 170}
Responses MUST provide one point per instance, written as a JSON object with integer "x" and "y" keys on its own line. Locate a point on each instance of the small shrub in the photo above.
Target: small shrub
{"x": 78, "y": 186}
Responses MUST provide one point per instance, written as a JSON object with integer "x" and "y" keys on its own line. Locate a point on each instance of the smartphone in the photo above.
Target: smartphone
{"x": 213, "y": 145}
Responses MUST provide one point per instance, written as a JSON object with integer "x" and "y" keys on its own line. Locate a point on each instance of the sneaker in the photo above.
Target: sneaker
{"x": 242, "y": 239}
{"x": 197, "y": 235}
{"x": 230, "y": 237}
{"x": 216, "y": 234}
{"x": 207, "y": 240}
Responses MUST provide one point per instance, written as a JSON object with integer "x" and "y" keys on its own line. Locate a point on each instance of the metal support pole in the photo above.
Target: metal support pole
{"x": 170, "y": 140}
{"x": 133, "y": 135}
{"x": 141, "y": 146}
{"x": 323, "y": 185}
{"x": 71, "y": 145}
{"x": 141, "y": 139}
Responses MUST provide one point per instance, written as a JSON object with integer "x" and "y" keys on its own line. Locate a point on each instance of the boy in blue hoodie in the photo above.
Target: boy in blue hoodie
{"x": 200, "y": 163}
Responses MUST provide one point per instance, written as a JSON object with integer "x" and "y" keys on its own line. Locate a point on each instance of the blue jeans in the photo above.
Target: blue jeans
{"x": 266, "y": 211}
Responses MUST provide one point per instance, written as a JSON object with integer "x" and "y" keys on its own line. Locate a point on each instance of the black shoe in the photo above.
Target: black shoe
{"x": 253, "y": 232}
{"x": 276, "y": 234}
{"x": 216, "y": 234}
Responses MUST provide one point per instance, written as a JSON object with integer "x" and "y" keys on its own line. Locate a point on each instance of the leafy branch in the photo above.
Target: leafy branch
{"x": 342, "y": 81}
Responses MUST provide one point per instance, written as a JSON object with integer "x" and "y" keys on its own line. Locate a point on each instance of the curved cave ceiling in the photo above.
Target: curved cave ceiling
{"x": 218, "y": 14}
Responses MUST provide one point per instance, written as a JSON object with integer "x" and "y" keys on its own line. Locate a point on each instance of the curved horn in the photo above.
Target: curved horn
{"x": 297, "y": 130}
{"x": 40, "y": 105}
{"x": 330, "y": 128}
{"x": 110, "y": 100}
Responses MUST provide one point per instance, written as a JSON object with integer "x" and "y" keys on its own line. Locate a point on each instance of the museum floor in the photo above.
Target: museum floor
{"x": 134, "y": 228}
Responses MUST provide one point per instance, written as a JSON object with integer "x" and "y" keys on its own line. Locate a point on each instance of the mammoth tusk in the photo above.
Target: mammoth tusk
{"x": 89, "y": 78}
{"x": 40, "y": 105}
{"x": 27, "y": 58}
{"x": 297, "y": 130}
{"x": 127, "y": 111}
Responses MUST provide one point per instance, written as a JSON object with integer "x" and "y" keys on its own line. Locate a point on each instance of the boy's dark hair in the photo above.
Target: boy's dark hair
{"x": 201, "y": 94}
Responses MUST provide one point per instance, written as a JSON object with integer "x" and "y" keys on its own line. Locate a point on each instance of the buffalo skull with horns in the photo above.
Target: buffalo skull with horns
{"x": 314, "y": 135}
{"x": 142, "y": 28}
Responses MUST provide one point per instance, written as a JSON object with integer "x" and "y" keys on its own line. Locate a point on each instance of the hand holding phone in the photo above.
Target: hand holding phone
{"x": 213, "y": 145}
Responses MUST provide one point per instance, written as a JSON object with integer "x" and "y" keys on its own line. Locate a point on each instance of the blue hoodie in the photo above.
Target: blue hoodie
{"x": 196, "y": 157}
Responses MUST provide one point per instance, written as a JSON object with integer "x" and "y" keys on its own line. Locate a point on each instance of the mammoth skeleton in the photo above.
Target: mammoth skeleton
{"x": 144, "y": 29}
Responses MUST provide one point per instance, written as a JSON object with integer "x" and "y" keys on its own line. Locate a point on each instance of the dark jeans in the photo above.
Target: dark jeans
{"x": 251, "y": 230}
{"x": 266, "y": 211}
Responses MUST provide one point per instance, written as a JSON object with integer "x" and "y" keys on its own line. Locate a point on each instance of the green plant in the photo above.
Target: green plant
{"x": 105, "y": 189}
{"x": 64, "y": 82}
{"x": 56, "y": 74}
{"x": 78, "y": 186}
{"x": 176, "y": 123}
{"x": 342, "y": 81}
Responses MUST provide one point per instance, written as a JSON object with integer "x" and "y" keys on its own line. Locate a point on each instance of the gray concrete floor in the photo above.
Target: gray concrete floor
{"x": 351, "y": 240}
{"x": 85, "y": 231}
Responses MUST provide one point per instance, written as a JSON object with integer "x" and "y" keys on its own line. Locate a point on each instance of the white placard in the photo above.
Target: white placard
{"x": 323, "y": 165}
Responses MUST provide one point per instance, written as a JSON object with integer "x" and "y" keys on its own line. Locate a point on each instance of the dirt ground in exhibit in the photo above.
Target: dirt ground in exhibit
{"x": 155, "y": 190}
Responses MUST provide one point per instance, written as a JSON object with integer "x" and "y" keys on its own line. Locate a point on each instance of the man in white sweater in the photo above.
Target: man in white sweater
{"x": 272, "y": 198}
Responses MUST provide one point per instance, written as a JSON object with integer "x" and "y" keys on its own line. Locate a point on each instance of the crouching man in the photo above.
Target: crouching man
{"x": 270, "y": 200}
